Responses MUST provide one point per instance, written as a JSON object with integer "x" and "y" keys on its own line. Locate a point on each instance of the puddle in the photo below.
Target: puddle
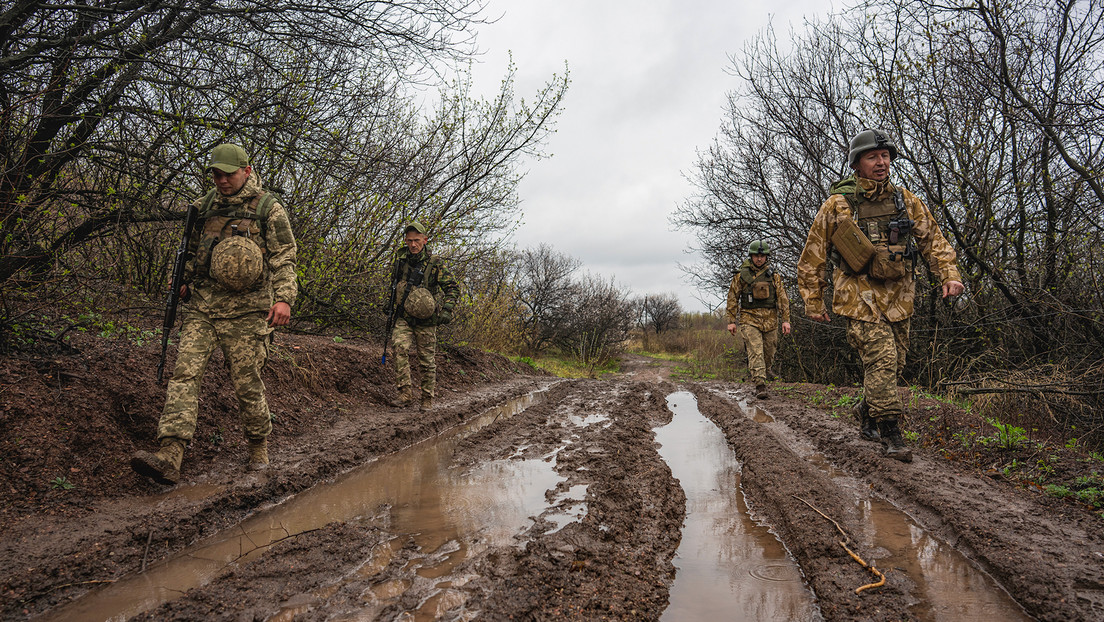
{"x": 728, "y": 566}
{"x": 449, "y": 513}
{"x": 950, "y": 586}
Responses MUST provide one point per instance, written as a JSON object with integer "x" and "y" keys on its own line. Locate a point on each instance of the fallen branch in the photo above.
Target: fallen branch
{"x": 846, "y": 539}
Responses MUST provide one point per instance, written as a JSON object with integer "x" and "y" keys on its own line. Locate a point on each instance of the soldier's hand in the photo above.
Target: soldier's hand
{"x": 732, "y": 328}
{"x": 279, "y": 314}
{"x": 785, "y": 328}
{"x": 823, "y": 317}
{"x": 953, "y": 288}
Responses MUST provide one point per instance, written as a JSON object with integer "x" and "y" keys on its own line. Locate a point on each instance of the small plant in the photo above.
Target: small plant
{"x": 1057, "y": 491}
{"x": 61, "y": 483}
{"x": 910, "y": 436}
{"x": 1071, "y": 443}
{"x": 338, "y": 339}
{"x": 1009, "y": 437}
{"x": 216, "y": 437}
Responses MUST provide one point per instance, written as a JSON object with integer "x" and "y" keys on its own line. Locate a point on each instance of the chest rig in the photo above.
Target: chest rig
{"x": 758, "y": 291}
{"x": 246, "y": 220}
{"x": 886, "y": 224}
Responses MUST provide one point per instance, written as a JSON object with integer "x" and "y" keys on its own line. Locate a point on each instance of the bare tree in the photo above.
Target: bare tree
{"x": 547, "y": 290}
{"x": 660, "y": 312}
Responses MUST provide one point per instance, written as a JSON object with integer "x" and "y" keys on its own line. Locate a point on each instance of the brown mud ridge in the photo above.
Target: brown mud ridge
{"x": 80, "y": 416}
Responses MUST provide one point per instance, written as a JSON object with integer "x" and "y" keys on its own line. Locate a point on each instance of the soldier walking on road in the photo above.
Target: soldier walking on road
{"x": 239, "y": 285}
{"x": 758, "y": 300}
{"x": 426, "y": 294}
{"x": 865, "y": 230}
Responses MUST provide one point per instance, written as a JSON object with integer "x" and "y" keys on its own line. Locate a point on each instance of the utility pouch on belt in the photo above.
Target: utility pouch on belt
{"x": 853, "y": 246}
{"x": 760, "y": 290}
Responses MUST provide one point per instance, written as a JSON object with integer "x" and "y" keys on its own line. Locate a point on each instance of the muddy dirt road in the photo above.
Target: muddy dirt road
{"x": 527, "y": 497}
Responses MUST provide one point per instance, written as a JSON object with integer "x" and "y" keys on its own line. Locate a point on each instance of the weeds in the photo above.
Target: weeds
{"x": 62, "y": 483}
{"x": 1009, "y": 437}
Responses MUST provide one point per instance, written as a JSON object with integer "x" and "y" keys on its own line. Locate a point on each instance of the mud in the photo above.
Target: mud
{"x": 603, "y": 545}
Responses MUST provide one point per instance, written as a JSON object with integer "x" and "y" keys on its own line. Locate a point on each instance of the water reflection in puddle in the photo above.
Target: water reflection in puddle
{"x": 949, "y": 585}
{"x": 729, "y": 567}
{"x": 449, "y": 513}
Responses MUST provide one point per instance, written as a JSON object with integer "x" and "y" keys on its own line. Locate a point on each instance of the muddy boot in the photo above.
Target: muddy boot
{"x": 162, "y": 467}
{"x": 893, "y": 444}
{"x": 405, "y": 398}
{"x": 868, "y": 426}
{"x": 761, "y": 391}
{"x": 427, "y": 404}
{"x": 258, "y": 454}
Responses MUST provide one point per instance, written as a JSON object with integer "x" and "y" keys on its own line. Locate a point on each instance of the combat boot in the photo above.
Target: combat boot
{"x": 404, "y": 399}
{"x": 162, "y": 467}
{"x": 427, "y": 401}
{"x": 868, "y": 426}
{"x": 258, "y": 454}
{"x": 761, "y": 391}
{"x": 893, "y": 445}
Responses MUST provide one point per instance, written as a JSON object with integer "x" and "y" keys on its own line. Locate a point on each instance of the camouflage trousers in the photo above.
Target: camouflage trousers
{"x": 424, "y": 338}
{"x": 882, "y": 347}
{"x": 244, "y": 342}
{"x": 760, "y": 347}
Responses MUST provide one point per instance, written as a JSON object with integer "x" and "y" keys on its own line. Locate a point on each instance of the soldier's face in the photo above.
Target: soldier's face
{"x": 415, "y": 242}
{"x": 230, "y": 183}
{"x": 759, "y": 260}
{"x": 873, "y": 164}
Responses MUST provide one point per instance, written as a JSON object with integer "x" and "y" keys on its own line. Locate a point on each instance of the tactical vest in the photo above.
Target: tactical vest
{"x": 247, "y": 219}
{"x": 873, "y": 219}
{"x": 758, "y": 291}
{"x": 431, "y": 270}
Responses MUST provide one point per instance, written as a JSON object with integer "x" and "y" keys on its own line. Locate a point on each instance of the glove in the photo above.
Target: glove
{"x": 444, "y": 316}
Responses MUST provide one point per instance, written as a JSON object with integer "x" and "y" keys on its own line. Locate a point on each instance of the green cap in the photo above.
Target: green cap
{"x": 415, "y": 226}
{"x": 228, "y": 158}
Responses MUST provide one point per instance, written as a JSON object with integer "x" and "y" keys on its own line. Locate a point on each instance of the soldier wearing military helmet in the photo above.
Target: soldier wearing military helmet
{"x": 239, "y": 285}
{"x": 866, "y": 235}
{"x": 425, "y": 294}
{"x": 757, "y": 301}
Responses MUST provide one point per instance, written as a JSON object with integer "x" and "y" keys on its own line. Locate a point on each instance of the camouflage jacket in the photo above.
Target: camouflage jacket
{"x": 436, "y": 278}
{"x": 273, "y": 234}
{"x": 859, "y": 296}
{"x": 765, "y": 320}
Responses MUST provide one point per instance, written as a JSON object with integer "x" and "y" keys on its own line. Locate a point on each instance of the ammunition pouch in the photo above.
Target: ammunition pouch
{"x": 852, "y": 246}
{"x": 760, "y": 290}
{"x": 889, "y": 263}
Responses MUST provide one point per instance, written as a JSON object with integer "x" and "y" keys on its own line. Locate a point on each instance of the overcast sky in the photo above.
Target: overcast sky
{"x": 648, "y": 83}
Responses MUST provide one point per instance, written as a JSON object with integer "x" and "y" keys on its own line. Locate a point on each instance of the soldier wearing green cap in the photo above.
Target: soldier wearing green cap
{"x": 863, "y": 237}
{"x": 756, "y": 302}
{"x": 426, "y": 294}
{"x": 239, "y": 284}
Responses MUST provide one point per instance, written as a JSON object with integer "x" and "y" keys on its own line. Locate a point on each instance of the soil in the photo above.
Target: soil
{"x": 73, "y": 515}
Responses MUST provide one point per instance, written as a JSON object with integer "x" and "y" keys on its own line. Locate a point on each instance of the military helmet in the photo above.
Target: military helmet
{"x": 870, "y": 139}
{"x": 759, "y": 247}
{"x": 420, "y": 304}
{"x": 236, "y": 262}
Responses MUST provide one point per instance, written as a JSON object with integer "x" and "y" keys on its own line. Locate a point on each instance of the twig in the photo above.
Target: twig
{"x": 145, "y": 554}
{"x": 846, "y": 538}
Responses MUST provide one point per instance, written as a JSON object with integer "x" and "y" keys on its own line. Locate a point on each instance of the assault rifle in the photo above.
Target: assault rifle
{"x": 413, "y": 279}
{"x": 182, "y": 256}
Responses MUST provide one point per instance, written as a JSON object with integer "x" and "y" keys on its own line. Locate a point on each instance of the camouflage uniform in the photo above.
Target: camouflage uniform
{"x": 877, "y": 311}
{"x": 233, "y": 320}
{"x": 410, "y": 331}
{"x": 758, "y": 327}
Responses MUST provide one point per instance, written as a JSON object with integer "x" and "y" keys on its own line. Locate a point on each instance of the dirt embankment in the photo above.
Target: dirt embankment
{"x": 80, "y": 418}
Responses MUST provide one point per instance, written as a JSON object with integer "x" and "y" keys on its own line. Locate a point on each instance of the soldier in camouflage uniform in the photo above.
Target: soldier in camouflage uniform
{"x": 426, "y": 294}
{"x": 757, "y": 298}
{"x": 239, "y": 285}
{"x": 877, "y": 296}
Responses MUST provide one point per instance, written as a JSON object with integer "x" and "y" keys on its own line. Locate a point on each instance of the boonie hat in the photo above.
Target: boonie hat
{"x": 228, "y": 158}
{"x": 415, "y": 226}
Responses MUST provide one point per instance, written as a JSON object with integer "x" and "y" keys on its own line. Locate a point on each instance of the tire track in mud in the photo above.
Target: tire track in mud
{"x": 1054, "y": 568}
